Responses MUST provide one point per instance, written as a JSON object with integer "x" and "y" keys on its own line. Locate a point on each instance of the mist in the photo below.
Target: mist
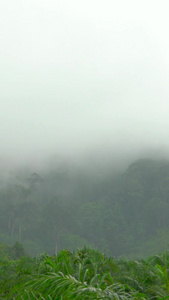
{"x": 83, "y": 81}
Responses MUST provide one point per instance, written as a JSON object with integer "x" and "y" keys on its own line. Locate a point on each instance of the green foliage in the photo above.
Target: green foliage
{"x": 17, "y": 250}
{"x": 84, "y": 274}
{"x": 119, "y": 215}
{"x": 60, "y": 286}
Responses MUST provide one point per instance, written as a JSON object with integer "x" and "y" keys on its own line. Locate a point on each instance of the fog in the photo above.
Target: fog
{"x": 83, "y": 80}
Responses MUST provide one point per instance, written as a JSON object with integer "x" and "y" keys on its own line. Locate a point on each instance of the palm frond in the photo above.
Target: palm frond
{"x": 59, "y": 286}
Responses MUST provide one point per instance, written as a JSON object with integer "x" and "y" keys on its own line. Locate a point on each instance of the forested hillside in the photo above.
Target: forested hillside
{"x": 120, "y": 214}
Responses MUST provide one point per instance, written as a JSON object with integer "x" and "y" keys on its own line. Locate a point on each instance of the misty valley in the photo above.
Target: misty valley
{"x": 84, "y": 156}
{"x": 56, "y": 224}
{"x": 123, "y": 213}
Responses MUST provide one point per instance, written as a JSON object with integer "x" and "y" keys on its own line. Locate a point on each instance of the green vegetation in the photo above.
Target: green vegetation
{"x": 123, "y": 215}
{"x": 84, "y": 274}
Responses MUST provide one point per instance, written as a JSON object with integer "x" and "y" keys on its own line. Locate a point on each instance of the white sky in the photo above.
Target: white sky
{"x": 82, "y": 75}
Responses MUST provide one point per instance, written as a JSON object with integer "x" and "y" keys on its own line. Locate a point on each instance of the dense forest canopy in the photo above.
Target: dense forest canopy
{"x": 123, "y": 213}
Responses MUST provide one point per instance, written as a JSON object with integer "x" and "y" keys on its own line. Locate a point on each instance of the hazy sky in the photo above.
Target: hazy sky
{"x": 83, "y": 75}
